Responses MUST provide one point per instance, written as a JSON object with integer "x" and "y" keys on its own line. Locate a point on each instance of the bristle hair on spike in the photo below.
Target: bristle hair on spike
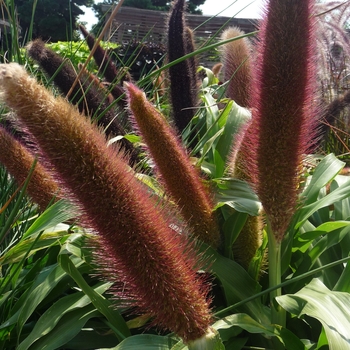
{"x": 284, "y": 111}
{"x": 87, "y": 95}
{"x": 181, "y": 180}
{"x": 18, "y": 161}
{"x": 183, "y": 93}
{"x": 157, "y": 266}
{"x": 237, "y": 66}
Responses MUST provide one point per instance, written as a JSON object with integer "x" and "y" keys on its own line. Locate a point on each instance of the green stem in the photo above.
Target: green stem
{"x": 278, "y": 315}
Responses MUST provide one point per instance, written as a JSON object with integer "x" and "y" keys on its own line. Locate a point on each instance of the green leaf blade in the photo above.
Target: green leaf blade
{"x": 331, "y": 308}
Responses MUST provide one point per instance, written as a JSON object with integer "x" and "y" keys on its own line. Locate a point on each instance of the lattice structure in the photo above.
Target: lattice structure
{"x": 147, "y": 25}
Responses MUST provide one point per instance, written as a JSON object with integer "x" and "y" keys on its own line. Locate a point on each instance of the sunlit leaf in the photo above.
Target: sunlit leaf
{"x": 325, "y": 171}
{"x": 287, "y": 338}
{"x": 339, "y": 194}
{"x": 54, "y": 314}
{"x": 59, "y": 212}
{"x": 238, "y": 195}
{"x": 234, "y": 116}
{"x": 146, "y": 342}
{"x": 331, "y": 308}
{"x": 32, "y": 245}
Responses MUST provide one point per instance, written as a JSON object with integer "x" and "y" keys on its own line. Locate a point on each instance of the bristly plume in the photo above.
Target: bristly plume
{"x": 237, "y": 66}
{"x": 181, "y": 179}
{"x": 216, "y": 69}
{"x": 192, "y": 63}
{"x": 86, "y": 94}
{"x": 283, "y": 106}
{"x": 106, "y": 66}
{"x": 183, "y": 98}
{"x": 250, "y": 237}
{"x": 156, "y": 265}
{"x": 18, "y": 162}
{"x": 63, "y": 73}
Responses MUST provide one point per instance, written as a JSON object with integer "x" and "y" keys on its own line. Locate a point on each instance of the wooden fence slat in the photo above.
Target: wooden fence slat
{"x": 147, "y": 25}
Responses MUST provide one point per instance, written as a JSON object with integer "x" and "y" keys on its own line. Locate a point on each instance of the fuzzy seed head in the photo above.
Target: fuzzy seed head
{"x": 183, "y": 91}
{"x": 18, "y": 161}
{"x": 237, "y": 66}
{"x": 180, "y": 178}
{"x": 141, "y": 251}
{"x": 283, "y": 107}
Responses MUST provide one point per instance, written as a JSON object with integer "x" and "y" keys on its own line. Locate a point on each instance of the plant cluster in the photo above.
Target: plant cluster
{"x": 140, "y": 57}
{"x": 212, "y": 226}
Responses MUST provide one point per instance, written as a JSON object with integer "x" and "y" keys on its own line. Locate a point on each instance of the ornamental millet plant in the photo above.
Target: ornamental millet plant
{"x": 236, "y": 68}
{"x": 86, "y": 94}
{"x": 181, "y": 179}
{"x": 140, "y": 249}
{"x": 106, "y": 66}
{"x": 183, "y": 91}
{"x": 283, "y": 125}
{"x": 237, "y": 72}
{"x": 18, "y": 161}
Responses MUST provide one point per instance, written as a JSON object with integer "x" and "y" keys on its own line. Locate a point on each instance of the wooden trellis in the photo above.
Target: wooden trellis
{"x": 147, "y": 25}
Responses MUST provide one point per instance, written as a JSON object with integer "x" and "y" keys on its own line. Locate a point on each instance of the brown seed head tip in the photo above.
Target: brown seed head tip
{"x": 36, "y": 49}
{"x": 9, "y": 72}
{"x": 283, "y": 101}
{"x": 236, "y": 66}
{"x": 231, "y": 32}
{"x": 83, "y": 30}
{"x": 134, "y": 94}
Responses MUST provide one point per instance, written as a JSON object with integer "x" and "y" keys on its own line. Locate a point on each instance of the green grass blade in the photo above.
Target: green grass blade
{"x": 30, "y": 246}
{"x": 41, "y": 287}
{"x": 11, "y": 218}
{"x": 54, "y": 314}
{"x": 339, "y": 194}
{"x": 343, "y": 284}
{"x": 61, "y": 211}
{"x": 238, "y": 195}
{"x": 341, "y": 208}
{"x": 331, "y": 308}
{"x": 68, "y": 327}
{"x": 235, "y": 116}
{"x": 287, "y": 338}
{"x": 237, "y": 284}
{"x": 325, "y": 171}
{"x": 101, "y": 304}
{"x": 232, "y": 228}
{"x": 38, "y": 294}
{"x": 146, "y": 342}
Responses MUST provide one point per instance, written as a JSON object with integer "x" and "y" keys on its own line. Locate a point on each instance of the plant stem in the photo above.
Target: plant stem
{"x": 278, "y": 315}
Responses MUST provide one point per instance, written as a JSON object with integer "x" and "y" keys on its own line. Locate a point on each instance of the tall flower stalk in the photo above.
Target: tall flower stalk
{"x": 156, "y": 266}
{"x": 237, "y": 66}
{"x": 283, "y": 119}
{"x": 18, "y": 160}
{"x": 183, "y": 93}
{"x": 87, "y": 95}
{"x": 106, "y": 65}
{"x": 181, "y": 179}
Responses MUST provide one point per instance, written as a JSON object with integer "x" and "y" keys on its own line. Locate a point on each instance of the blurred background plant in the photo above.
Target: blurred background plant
{"x": 333, "y": 75}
